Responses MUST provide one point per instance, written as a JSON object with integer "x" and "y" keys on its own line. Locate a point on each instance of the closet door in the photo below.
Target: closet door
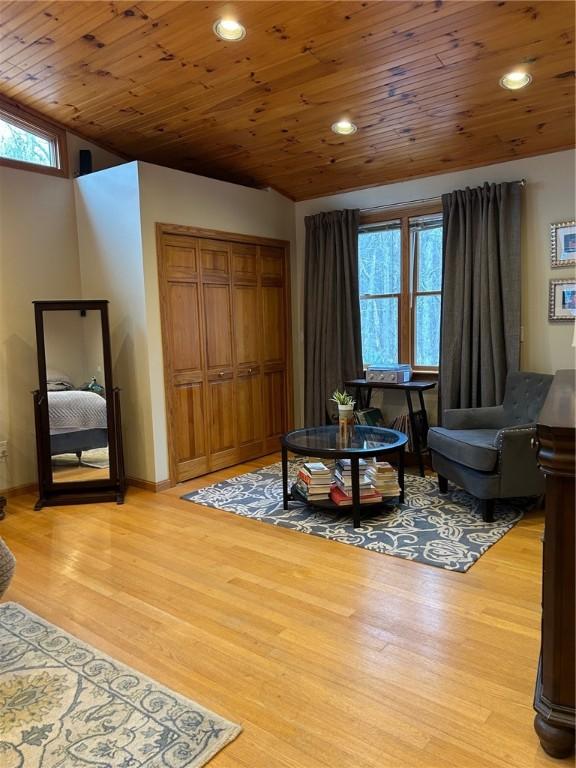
{"x": 225, "y": 328}
{"x": 247, "y": 349}
{"x": 276, "y": 394}
{"x": 184, "y": 359}
{"x": 218, "y": 343}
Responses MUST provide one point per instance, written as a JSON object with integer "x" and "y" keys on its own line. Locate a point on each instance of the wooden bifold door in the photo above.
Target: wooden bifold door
{"x": 227, "y": 349}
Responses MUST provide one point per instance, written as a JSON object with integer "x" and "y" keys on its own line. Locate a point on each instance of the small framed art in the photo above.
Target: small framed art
{"x": 562, "y": 300}
{"x": 563, "y": 244}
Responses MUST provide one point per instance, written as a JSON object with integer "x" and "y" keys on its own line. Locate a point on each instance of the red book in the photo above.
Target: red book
{"x": 344, "y": 500}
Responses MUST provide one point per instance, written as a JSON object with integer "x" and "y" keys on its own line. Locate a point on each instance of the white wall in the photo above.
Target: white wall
{"x": 38, "y": 261}
{"x": 101, "y": 158}
{"x": 111, "y": 265}
{"x": 174, "y": 197}
{"x": 549, "y": 196}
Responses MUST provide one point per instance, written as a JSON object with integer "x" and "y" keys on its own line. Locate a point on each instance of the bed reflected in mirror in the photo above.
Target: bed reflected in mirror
{"x": 76, "y": 406}
{"x": 76, "y": 396}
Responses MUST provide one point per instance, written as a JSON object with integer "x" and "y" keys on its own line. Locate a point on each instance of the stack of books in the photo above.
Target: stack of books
{"x": 341, "y": 492}
{"x": 314, "y": 481}
{"x": 383, "y": 478}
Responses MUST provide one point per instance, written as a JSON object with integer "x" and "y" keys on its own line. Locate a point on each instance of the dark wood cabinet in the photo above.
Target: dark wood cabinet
{"x": 554, "y": 697}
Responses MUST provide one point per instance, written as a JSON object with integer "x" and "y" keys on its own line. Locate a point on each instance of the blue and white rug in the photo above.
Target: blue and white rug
{"x": 444, "y": 530}
{"x": 63, "y": 704}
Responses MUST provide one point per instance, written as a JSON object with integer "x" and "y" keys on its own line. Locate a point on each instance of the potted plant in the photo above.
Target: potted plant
{"x": 345, "y": 403}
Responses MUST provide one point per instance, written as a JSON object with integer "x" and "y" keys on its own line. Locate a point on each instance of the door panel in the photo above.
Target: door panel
{"x": 274, "y": 407}
{"x": 181, "y": 257}
{"x": 214, "y": 258}
{"x": 222, "y": 417}
{"x": 184, "y": 327}
{"x": 218, "y": 322}
{"x": 244, "y": 263}
{"x": 189, "y": 445}
{"x": 272, "y": 269}
{"x": 249, "y": 409}
{"x": 247, "y": 330}
{"x": 273, "y": 333}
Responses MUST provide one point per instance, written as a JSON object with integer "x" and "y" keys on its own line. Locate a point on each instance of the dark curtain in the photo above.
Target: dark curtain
{"x": 332, "y": 343}
{"x": 480, "y": 334}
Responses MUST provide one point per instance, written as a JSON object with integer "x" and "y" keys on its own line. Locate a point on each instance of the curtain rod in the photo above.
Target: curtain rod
{"x": 522, "y": 183}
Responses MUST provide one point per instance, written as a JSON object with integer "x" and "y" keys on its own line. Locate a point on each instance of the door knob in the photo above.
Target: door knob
{"x": 221, "y": 373}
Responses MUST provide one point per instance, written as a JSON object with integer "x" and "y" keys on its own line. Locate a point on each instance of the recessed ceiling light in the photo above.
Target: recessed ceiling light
{"x": 515, "y": 80}
{"x": 344, "y": 127}
{"x": 228, "y": 29}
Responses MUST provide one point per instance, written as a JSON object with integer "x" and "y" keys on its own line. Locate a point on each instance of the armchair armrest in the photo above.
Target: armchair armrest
{"x": 474, "y": 418}
{"x": 516, "y": 437}
{"x": 519, "y": 472}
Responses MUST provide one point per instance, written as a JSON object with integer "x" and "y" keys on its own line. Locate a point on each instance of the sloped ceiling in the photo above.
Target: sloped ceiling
{"x": 420, "y": 80}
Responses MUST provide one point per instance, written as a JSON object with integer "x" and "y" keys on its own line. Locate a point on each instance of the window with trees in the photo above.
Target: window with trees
{"x": 27, "y": 142}
{"x": 400, "y": 276}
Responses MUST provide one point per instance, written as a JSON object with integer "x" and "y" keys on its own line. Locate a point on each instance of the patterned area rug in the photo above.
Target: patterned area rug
{"x": 446, "y": 531}
{"x": 63, "y": 704}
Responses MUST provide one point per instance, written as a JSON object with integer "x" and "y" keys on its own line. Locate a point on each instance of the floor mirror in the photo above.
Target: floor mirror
{"x": 77, "y": 407}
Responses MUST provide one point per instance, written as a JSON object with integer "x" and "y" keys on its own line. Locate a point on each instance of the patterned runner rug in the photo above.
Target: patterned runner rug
{"x": 446, "y": 531}
{"x": 63, "y": 704}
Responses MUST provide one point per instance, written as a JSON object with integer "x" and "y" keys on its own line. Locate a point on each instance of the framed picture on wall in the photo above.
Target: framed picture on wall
{"x": 562, "y": 300}
{"x": 563, "y": 244}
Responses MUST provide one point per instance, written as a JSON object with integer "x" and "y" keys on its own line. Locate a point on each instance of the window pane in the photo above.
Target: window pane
{"x": 429, "y": 259}
{"x": 379, "y": 318}
{"x": 379, "y": 262}
{"x": 427, "y": 331}
{"x": 18, "y": 144}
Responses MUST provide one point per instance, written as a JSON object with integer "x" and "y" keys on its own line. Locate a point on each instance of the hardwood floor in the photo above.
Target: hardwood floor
{"x": 328, "y": 655}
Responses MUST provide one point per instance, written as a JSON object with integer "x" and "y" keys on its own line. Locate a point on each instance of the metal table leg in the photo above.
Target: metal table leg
{"x": 285, "y": 495}
{"x": 401, "y": 473}
{"x": 415, "y": 432}
{"x": 424, "y": 414}
{"x": 355, "y": 491}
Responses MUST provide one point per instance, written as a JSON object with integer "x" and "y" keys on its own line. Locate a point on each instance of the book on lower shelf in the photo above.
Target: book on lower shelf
{"x": 384, "y": 478}
{"x": 317, "y": 469}
{"x": 310, "y": 493}
{"x": 314, "y": 480}
{"x": 343, "y": 499}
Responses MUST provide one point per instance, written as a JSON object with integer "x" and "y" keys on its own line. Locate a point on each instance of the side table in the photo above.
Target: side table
{"x": 418, "y": 419}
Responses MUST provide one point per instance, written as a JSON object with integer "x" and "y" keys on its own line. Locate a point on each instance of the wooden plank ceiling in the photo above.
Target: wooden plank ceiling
{"x": 420, "y": 79}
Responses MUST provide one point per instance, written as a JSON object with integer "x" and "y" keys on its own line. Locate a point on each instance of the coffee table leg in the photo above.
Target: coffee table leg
{"x": 416, "y": 444}
{"x": 401, "y": 473}
{"x": 285, "y": 496}
{"x": 355, "y": 491}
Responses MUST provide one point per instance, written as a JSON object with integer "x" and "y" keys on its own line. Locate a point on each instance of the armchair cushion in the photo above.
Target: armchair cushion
{"x": 475, "y": 448}
{"x": 474, "y": 418}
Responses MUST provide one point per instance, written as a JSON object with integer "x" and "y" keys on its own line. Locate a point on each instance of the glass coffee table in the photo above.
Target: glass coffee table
{"x": 325, "y": 443}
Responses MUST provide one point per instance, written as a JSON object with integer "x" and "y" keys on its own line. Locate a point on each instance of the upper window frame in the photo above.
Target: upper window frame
{"x": 407, "y": 303}
{"x": 29, "y": 121}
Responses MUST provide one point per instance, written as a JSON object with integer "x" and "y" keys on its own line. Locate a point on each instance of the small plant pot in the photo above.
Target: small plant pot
{"x": 345, "y": 421}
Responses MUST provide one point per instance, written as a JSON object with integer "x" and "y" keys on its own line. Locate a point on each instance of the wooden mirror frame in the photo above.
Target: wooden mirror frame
{"x": 78, "y": 491}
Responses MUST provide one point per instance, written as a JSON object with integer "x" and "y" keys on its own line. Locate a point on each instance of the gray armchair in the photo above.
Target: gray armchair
{"x": 488, "y": 451}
